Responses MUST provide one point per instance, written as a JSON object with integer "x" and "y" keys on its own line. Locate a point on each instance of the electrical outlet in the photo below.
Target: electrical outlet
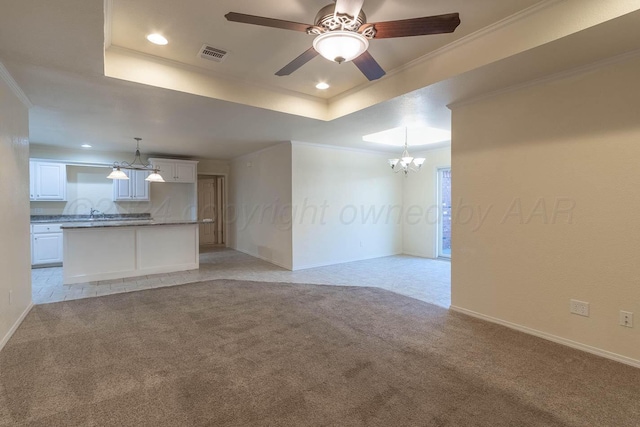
{"x": 626, "y": 319}
{"x": 580, "y": 308}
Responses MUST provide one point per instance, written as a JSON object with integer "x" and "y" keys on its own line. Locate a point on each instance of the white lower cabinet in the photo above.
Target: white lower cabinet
{"x": 46, "y": 244}
{"x": 134, "y": 188}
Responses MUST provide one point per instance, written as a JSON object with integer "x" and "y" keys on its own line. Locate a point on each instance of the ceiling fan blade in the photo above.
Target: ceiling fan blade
{"x": 369, "y": 66}
{"x": 349, "y": 7}
{"x": 266, "y": 22}
{"x": 292, "y": 66}
{"x": 417, "y": 26}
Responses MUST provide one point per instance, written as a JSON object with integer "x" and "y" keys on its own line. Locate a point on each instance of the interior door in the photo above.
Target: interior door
{"x": 206, "y": 210}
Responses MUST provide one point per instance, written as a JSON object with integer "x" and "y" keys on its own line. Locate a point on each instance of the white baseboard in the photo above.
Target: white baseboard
{"x": 417, "y": 255}
{"x": 270, "y": 261}
{"x": 15, "y": 326}
{"x": 71, "y": 280}
{"x": 343, "y": 261}
{"x": 559, "y": 340}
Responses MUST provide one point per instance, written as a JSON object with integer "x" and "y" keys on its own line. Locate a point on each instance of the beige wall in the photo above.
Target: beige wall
{"x": 523, "y": 160}
{"x": 259, "y": 197}
{"x": 15, "y": 258}
{"x": 213, "y": 167}
{"x": 420, "y": 229}
{"x": 347, "y": 206}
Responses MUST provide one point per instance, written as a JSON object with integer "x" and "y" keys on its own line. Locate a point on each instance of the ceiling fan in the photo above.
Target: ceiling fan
{"x": 343, "y": 34}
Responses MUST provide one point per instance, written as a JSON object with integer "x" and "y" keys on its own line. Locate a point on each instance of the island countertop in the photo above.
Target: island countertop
{"x": 127, "y": 223}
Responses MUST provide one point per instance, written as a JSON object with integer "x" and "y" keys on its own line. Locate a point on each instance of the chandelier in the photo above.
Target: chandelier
{"x": 406, "y": 162}
{"x": 136, "y": 164}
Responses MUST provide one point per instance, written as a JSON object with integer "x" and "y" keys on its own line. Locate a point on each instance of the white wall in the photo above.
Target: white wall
{"x": 347, "y": 206}
{"x": 556, "y": 166}
{"x": 259, "y": 214}
{"x": 421, "y": 205}
{"x": 88, "y": 187}
{"x": 15, "y": 259}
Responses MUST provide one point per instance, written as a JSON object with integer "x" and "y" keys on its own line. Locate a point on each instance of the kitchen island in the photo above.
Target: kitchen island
{"x": 105, "y": 250}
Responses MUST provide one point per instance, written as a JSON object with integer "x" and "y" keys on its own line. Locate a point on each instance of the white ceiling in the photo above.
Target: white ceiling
{"x": 55, "y": 52}
{"x": 258, "y": 52}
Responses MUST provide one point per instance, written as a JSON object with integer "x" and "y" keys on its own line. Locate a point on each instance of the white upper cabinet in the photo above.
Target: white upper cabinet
{"x": 32, "y": 181}
{"x": 134, "y": 188}
{"x": 184, "y": 171}
{"x": 47, "y": 181}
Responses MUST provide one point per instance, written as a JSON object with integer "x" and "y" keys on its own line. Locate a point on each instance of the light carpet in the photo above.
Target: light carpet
{"x": 237, "y": 353}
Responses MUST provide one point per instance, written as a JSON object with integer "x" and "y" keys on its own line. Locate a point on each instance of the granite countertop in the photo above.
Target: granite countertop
{"x": 129, "y": 223}
{"x": 47, "y": 219}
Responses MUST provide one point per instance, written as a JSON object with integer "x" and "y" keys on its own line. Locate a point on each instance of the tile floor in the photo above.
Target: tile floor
{"x": 424, "y": 279}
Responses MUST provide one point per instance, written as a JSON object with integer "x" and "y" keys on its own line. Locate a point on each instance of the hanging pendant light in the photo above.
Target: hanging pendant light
{"x": 406, "y": 162}
{"x": 117, "y": 174}
{"x": 136, "y": 164}
{"x": 154, "y": 177}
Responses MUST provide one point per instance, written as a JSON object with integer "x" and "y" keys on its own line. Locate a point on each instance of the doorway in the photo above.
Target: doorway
{"x": 211, "y": 200}
{"x": 444, "y": 213}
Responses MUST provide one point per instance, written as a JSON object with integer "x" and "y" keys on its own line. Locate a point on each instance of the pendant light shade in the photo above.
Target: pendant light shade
{"x": 117, "y": 174}
{"x": 154, "y": 177}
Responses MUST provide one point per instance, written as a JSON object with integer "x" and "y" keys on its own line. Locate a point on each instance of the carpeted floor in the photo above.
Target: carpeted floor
{"x": 234, "y": 353}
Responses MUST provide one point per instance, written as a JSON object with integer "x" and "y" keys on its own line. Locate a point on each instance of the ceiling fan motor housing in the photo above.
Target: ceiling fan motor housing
{"x": 331, "y": 21}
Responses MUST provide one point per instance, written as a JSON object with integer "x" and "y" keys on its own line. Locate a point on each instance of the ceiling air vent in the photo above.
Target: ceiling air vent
{"x": 212, "y": 53}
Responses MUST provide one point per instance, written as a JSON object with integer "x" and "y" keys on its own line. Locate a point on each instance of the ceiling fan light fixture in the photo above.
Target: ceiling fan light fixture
{"x": 340, "y": 46}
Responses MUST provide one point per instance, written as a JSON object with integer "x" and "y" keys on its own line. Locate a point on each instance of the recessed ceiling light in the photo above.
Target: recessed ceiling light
{"x": 416, "y": 135}
{"x": 86, "y": 146}
{"x": 157, "y": 39}
{"x": 322, "y": 86}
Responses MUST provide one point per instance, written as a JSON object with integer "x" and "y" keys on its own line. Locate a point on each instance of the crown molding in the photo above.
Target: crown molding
{"x": 341, "y": 148}
{"x": 518, "y": 16}
{"x": 15, "y": 88}
{"x": 576, "y": 71}
{"x": 108, "y": 23}
{"x": 214, "y": 74}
